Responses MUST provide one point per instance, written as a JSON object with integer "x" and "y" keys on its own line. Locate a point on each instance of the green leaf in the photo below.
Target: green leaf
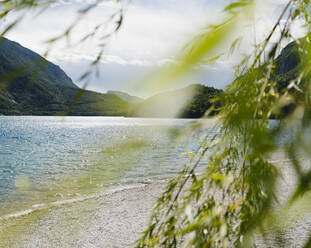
{"x": 236, "y": 5}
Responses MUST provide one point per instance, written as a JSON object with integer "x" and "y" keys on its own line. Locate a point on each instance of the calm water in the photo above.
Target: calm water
{"x": 42, "y": 158}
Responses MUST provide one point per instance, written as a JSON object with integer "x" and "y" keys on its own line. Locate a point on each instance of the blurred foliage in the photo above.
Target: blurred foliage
{"x": 235, "y": 198}
{"x": 190, "y": 102}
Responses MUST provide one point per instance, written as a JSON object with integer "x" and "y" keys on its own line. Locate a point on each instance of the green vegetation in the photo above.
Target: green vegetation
{"x": 235, "y": 200}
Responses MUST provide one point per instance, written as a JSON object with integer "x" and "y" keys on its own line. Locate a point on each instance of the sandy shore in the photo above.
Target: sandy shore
{"x": 113, "y": 220}
{"x": 116, "y": 218}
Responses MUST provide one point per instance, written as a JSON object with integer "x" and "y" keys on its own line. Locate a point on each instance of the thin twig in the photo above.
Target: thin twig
{"x": 271, "y": 33}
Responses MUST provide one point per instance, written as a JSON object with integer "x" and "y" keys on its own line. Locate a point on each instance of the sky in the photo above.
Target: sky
{"x": 153, "y": 32}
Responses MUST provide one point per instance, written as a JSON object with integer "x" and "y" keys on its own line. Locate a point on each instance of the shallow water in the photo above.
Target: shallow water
{"x": 47, "y": 158}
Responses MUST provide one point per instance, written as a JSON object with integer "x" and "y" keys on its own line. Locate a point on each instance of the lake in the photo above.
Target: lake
{"x": 45, "y": 159}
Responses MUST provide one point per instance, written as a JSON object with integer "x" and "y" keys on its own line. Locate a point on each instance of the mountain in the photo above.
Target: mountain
{"x": 15, "y": 57}
{"x": 287, "y": 65}
{"x": 189, "y": 102}
{"x": 193, "y": 101}
{"x": 125, "y": 96}
{"x": 31, "y": 85}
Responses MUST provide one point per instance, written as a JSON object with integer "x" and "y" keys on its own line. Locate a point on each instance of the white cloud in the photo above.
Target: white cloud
{"x": 152, "y": 32}
{"x": 148, "y": 32}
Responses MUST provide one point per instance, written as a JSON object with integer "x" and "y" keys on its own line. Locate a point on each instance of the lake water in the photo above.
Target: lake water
{"x": 44, "y": 159}
{"x": 51, "y": 161}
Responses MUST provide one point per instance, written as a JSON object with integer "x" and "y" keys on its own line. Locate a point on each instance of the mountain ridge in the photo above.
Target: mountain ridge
{"x": 31, "y": 85}
{"x": 189, "y": 102}
{"x": 125, "y": 96}
{"x": 35, "y": 63}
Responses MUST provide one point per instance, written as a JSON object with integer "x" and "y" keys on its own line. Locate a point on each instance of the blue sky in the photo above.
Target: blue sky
{"x": 152, "y": 34}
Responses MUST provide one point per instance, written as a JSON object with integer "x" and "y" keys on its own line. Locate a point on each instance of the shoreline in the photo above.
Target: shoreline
{"x": 114, "y": 219}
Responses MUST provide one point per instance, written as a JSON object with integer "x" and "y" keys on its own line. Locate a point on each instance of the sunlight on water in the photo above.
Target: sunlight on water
{"x": 55, "y": 158}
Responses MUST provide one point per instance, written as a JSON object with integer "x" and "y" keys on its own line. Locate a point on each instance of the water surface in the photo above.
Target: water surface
{"x": 50, "y": 157}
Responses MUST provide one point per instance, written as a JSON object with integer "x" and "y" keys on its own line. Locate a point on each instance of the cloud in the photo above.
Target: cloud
{"x": 152, "y": 33}
{"x": 114, "y": 76}
{"x": 151, "y": 30}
